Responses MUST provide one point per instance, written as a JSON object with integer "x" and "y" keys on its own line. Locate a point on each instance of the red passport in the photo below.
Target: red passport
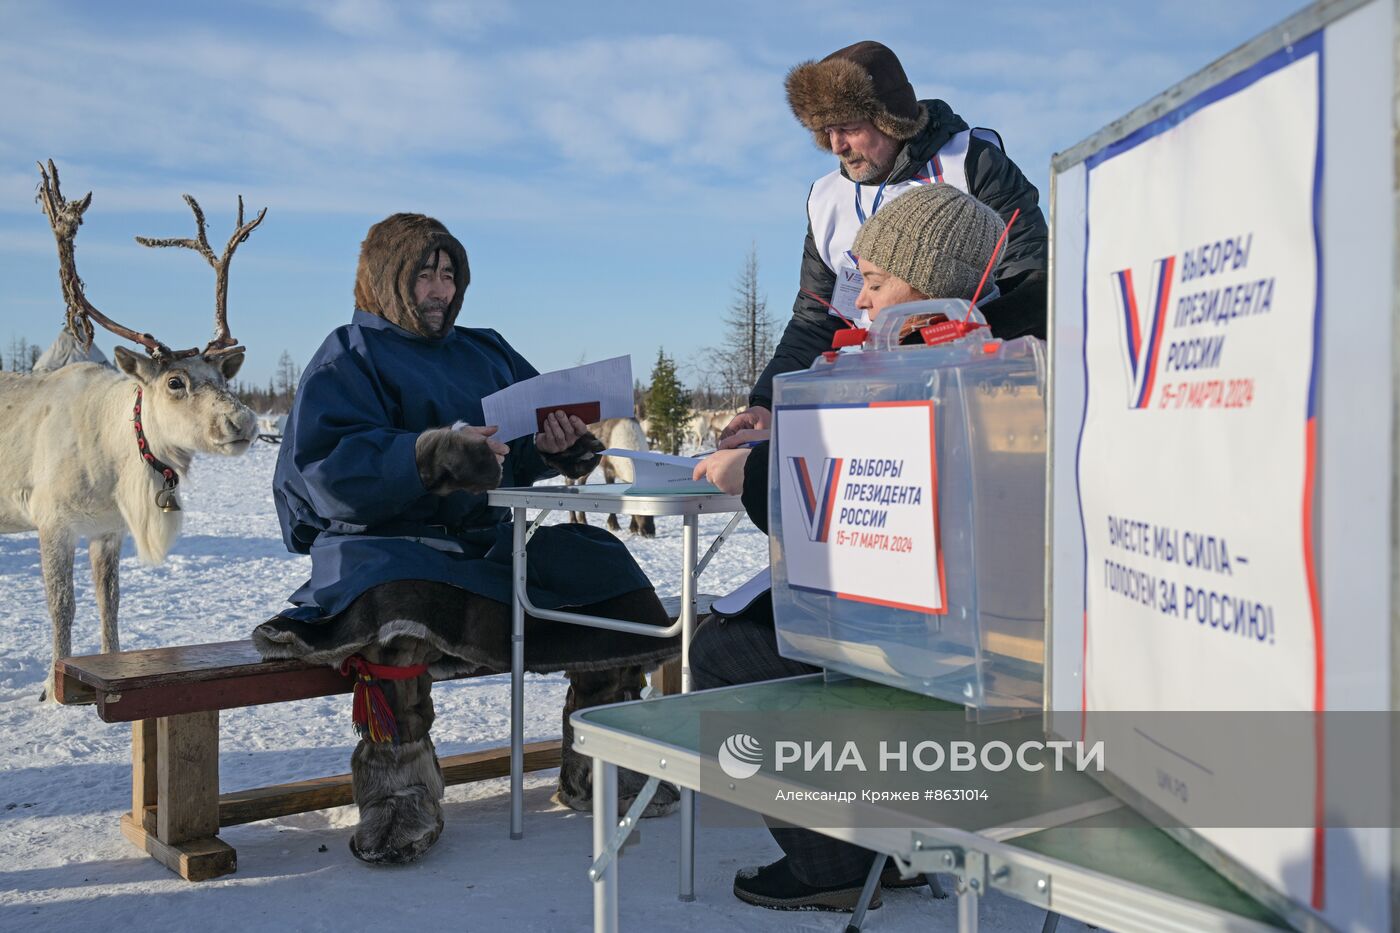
{"x": 587, "y": 412}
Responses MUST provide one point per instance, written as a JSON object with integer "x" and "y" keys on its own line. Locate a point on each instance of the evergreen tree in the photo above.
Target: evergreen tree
{"x": 667, "y": 406}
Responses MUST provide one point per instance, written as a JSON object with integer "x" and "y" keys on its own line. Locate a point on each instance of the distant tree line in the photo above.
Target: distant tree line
{"x": 281, "y": 388}
{"x": 22, "y": 356}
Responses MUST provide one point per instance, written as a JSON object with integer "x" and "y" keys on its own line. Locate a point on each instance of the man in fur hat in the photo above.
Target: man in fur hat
{"x": 859, "y": 105}
{"x": 410, "y": 568}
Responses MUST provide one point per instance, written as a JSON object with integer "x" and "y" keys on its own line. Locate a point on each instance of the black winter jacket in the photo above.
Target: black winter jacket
{"x": 994, "y": 180}
{"x": 755, "y": 492}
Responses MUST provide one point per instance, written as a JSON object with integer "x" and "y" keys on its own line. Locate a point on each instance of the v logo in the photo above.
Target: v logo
{"x": 1142, "y": 338}
{"x": 816, "y": 498}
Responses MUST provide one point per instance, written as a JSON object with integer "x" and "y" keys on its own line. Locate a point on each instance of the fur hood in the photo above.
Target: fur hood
{"x": 390, "y": 257}
{"x": 864, "y": 81}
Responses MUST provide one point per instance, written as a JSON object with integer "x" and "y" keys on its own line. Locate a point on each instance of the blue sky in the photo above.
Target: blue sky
{"x": 606, "y": 165}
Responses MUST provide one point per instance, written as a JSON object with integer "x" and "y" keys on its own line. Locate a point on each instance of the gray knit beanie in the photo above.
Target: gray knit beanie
{"x": 934, "y": 237}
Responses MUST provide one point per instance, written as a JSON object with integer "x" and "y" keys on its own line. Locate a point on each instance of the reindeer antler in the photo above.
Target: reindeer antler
{"x": 223, "y": 342}
{"x": 65, "y": 217}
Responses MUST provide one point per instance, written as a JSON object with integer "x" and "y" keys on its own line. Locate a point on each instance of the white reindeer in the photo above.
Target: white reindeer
{"x": 92, "y": 452}
{"x": 619, "y": 434}
{"x": 705, "y": 426}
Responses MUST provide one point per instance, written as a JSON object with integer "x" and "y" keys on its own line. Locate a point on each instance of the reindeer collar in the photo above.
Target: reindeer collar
{"x": 165, "y": 498}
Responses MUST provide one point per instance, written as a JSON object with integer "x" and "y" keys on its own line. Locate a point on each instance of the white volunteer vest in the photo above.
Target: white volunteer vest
{"x": 837, "y": 206}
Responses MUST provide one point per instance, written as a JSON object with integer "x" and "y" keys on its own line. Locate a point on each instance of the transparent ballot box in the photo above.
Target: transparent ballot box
{"x": 907, "y": 507}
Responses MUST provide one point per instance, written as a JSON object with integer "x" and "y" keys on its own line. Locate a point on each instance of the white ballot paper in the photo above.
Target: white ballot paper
{"x": 593, "y": 391}
{"x": 659, "y": 474}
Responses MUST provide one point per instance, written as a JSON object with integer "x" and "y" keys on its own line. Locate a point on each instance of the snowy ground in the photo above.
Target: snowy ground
{"x": 65, "y": 775}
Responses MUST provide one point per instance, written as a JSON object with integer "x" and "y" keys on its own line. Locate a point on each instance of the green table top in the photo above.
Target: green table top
{"x": 675, "y": 721}
{"x": 1120, "y": 844}
{"x": 1144, "y": 855}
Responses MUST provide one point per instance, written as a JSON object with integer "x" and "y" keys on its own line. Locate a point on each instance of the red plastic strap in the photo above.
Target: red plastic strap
{"x": 990, "y": 262}
{"x": 946, "y": 331}
{"x": 848, "y": 337}
{"x": 355, "y": 665}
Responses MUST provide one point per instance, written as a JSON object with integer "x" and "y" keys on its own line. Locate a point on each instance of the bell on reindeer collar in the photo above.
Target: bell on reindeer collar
{"x": 165, "y": 498}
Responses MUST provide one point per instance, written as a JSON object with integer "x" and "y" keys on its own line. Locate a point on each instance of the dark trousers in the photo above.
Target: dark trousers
{"x": 742, "y": 650}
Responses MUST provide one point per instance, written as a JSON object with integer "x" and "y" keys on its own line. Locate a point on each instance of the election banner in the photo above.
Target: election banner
{"x": 1222, "y": 462}
{"x": 863, "y": 481}
{"x": 1197, "y": 450}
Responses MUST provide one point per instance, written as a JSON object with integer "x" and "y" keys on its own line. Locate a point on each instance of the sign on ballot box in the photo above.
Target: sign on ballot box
{"x": 863, "y": 481}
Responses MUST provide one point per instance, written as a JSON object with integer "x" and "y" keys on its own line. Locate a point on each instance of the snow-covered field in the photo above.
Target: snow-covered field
{"x": 65, "y": 775}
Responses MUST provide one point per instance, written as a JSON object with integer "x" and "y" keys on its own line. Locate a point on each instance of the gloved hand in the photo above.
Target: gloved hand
{"x": 566, "y": 445}
{"x": 452, "y": 460}
{"x": 577, "y": 460}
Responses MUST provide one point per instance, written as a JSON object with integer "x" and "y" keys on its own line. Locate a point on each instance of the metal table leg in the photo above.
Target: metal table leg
{"x": 687, "y": 874}
{"x": 690, "y": 536}
{"x": 604, "y": 817}
{"x": 690, "y": 545}
{"x": 867, "y": 893}
{"x": 517, "y": 685}
{"x": 968, "y": 900}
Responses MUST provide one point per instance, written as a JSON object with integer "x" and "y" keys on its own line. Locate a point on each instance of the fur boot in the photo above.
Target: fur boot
{"x": 399, "y": 787}
{"x": 597, "y": 688}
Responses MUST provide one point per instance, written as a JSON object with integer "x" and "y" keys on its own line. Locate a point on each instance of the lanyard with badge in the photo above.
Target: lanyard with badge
{"x": 848, "y": 278}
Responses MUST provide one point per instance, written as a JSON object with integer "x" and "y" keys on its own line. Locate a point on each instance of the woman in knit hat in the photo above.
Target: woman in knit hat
{"x": 932, "y": 242}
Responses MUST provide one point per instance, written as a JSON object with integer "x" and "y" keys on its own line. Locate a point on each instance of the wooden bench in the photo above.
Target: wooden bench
{"x": 172, "y": 698}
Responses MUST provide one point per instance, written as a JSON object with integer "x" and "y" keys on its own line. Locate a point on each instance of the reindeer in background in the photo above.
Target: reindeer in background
{"x": 619, "y": 434}
{"x": 89, "y": 451}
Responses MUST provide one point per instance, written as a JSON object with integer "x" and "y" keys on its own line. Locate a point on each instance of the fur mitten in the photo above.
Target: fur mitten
{"x": 450, "y": 461}
{"x": 579, "y": 460}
